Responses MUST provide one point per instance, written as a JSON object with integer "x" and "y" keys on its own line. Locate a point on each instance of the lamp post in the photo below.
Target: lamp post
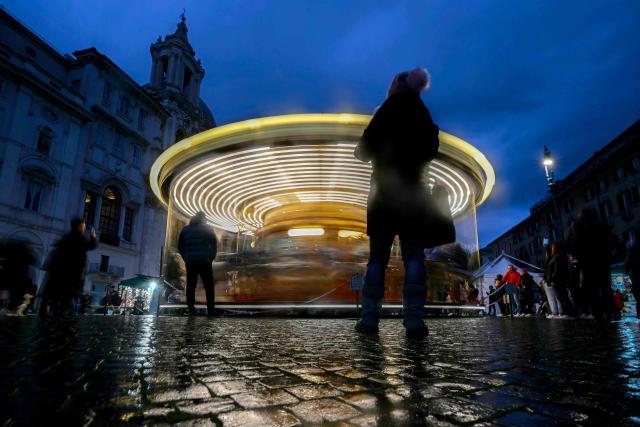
{"x": 547, "y": 162}
{"x": 548, "y": 165}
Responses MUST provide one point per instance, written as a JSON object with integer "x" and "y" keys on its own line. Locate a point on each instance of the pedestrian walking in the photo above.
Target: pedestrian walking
{"x": 16, "y": 257}
{"x": 632, "y": 268}
{"x": 511, "y": 279}
{"x": 400, "y": 141}
{"x": 198, "y": 246}
{"x": 591, "y": 243}
{"x": 558, "y": 278}
{"x": 65, "y": 268}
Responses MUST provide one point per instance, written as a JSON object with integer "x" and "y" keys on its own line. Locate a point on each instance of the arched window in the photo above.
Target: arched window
{"x": 110, "y": 216}
{"x": 45, "y": 138}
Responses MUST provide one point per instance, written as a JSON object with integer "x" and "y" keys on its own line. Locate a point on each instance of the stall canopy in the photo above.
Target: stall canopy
{"x": 141, "y": 281}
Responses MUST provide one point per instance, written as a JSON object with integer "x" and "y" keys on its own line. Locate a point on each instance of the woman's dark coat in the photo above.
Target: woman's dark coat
{"x": 399, "y": 141}
{"x": 67, "y": 262}
{"x": 557, "y": 273}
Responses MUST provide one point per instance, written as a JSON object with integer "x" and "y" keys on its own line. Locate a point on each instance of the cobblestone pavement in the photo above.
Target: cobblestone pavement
{"x": 286, "y": 372}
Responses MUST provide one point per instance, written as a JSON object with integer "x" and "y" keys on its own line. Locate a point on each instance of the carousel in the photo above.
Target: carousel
{"x": 288, "y": 201}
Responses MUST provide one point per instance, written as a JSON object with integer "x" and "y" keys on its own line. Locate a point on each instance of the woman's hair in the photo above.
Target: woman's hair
{"x": 556, "y": 249}
{"x": 415, "y": 80}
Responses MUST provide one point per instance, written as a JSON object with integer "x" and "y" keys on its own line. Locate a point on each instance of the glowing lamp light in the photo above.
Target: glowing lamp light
{"x": 297, "y": 232}
{"x": 547, "y": 162}
{"x": 350, "y": 233}
{"x": 152, "y": 285}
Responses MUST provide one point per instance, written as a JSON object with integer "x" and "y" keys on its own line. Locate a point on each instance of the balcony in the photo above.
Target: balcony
{"x": 109, "y": 270}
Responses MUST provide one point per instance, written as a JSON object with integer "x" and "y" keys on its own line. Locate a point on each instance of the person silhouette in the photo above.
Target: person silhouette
{"x": 198, "y": 246}
{"x": 400, "y": 141}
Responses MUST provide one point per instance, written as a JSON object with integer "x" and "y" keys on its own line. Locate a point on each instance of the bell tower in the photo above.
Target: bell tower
{"x": 176, "y": 76}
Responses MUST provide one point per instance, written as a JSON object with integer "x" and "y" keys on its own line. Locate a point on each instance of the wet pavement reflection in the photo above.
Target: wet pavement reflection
{"x": 285, "y": 372}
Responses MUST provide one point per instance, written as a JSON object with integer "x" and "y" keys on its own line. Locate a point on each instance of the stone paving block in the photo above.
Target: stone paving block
{"x": 226, "y": 388}
{"x": 313, "y": 391}
{"x": 202, "y": 422}
{"x": 461, "y": 411}
{"x": 223, "y": 376}
{"x": 260, "y": 373}
{"x": 323, "y": 410}
{"x": 263, "y": 418}
{"x": 363, "y": 401}
{"x": 264, "y": 398}
{"x": 347, "y": 386}
{"x": 281, "y": 381}
{"x": 352, "y": 373}
{"x": 212, "y": 406}
{"x": 197, "y": 391}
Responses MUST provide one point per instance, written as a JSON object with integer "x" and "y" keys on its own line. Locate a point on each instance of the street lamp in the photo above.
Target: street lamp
{"x": 548, "y": 164}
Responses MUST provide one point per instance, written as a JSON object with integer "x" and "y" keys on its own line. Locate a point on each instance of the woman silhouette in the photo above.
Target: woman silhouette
{"x": 399, "y": 141}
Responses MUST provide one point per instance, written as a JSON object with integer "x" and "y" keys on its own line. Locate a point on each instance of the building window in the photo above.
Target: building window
{"x": 620, "y": 174}
{"x": 118, "y": 146}
{"x": 75, "y": 85}
{"x": 137, "y": 155}
{"x": 624, "y": 204}
{"x": 165, "y": 68}
{"x": 45, "y": 138}
{"x": 33, "y": 196}
{"x": 90, "y": 203}
{"x": 104, "y": 264}
{"x": 568, "y": 206}
{"x": 124, "y": 106}
{"x": 106, "y": 94}
{"x": 588, "y": 194}
{"x": 186, "y": 81}
{"x": 606, "y": 211}
{"x": 142, "y": 115}
{"x": 635, "y": 163}
{"x": 602, "y": 185}
{"x": 110, "y": 216}
{"x": 635, "y": 194}
{"x": 127, "y": 231}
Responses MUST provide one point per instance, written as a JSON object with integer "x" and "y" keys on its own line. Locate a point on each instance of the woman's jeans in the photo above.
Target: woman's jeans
{"x": 552, "y": 298}
{"x": 512, "y": 291}
{"x": 414, "y": 292}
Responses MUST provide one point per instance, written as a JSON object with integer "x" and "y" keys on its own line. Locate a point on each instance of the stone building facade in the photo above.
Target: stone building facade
{"x": 608, "y": 183}
{"x": 78, "y": 137}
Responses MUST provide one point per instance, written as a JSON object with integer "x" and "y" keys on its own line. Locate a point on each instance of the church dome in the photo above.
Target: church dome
{"x": 205, "y": 114}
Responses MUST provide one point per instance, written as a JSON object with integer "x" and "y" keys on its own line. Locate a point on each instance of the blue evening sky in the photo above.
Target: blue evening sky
{"x": 508, "y": 76}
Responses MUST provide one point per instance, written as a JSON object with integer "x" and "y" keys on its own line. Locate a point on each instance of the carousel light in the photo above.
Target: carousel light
{"x": 310, "y": 231}
{"x": 350, "y": 234}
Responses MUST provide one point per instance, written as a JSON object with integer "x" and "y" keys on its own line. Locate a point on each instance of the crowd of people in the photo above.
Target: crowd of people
{"x": 576, "y": 281}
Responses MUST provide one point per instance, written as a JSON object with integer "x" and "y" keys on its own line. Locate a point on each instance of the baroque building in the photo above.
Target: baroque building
{"x": 608, "y": 184}
{"x": 78, "y": 137}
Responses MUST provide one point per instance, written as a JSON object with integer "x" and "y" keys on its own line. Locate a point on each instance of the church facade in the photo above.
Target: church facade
{"x": 77, "y": 139}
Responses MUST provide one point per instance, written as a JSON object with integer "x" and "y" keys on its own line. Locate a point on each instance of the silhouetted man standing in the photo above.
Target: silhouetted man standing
{"x": 198, "y": 245}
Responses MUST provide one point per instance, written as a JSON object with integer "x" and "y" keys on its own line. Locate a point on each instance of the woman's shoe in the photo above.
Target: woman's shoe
{"x": 415, "y": 327}
{"x": 367, "y": 326}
